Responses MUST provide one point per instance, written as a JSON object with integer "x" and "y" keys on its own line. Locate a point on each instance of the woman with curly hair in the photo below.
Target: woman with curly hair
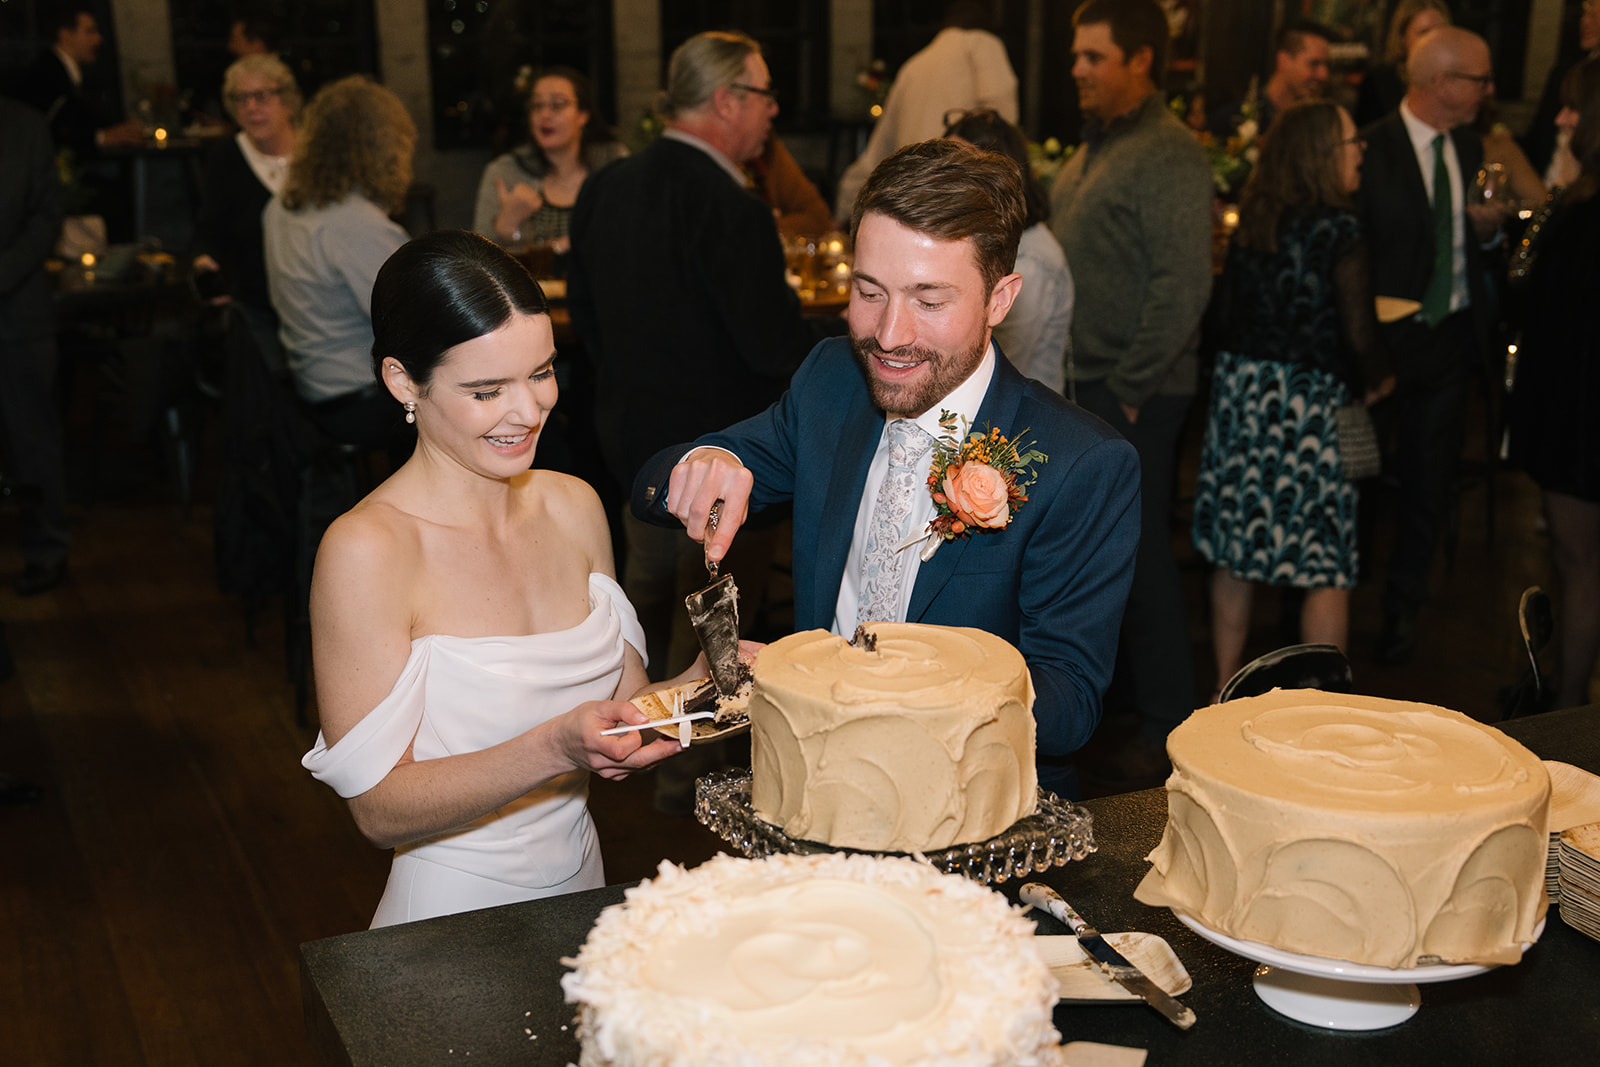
{"x": 525, "y": 197}
{"x": 327, "y": 234}
{"x": 1297, "y": 340}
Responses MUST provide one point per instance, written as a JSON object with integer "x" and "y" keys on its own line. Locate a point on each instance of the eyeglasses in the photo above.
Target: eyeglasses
{"x": 1483, "y": 80}
{"x": 556, "y": 106}
{"x": 254, "y": 96}
{"x": 770, "y": 94}
{"x": 1359, "y": 142}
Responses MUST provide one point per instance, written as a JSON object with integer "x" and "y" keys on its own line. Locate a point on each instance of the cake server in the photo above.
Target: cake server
{"x": 1109, "y": 960}
{"x": 714, "y": 614}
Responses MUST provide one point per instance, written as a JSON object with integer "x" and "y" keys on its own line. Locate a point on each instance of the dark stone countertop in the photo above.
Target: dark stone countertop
{"x": 484, "y": 987}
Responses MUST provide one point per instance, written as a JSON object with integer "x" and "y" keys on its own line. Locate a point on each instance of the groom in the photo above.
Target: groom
{"x": 851, "y": 443}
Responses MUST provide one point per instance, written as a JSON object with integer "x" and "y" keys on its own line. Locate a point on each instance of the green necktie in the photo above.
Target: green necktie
{"x": 1436, "y": 301}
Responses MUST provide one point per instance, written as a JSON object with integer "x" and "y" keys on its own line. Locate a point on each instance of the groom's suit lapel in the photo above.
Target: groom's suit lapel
{"x": 999, "y": 408}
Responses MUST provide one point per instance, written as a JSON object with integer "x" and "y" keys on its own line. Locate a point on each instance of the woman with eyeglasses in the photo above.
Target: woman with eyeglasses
{"x": 1555, "y": 274}
{"x": 1034, "y": 335}
{"x": 526, "y": 196}
{"x": 1297, "y": 339}
{"x": 242, "y": 174}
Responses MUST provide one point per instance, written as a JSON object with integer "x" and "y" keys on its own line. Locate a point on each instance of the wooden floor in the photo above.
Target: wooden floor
{"x": 153, "y": 901}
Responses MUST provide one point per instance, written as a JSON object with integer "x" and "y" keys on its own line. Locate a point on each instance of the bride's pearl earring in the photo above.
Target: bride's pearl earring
{"x": 411, "y": 411}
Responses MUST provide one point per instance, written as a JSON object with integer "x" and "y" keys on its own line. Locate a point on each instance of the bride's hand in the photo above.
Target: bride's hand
{"x": 613, "y": 757}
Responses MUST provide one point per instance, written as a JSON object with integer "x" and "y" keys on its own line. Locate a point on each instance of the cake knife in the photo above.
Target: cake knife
{"x": 714, "y": 614}
{"x": 1109, "y": 960}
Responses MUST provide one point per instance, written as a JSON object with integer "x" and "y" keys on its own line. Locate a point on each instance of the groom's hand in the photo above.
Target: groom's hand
{"x": 705, "y": 476}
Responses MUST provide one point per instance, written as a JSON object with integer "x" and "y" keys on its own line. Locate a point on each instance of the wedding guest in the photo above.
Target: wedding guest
{"x": 469, "y": 637}
{"x": 1384, "y": 84}
{"x": 1132, "y": 210}
{"x": 525, "y": 197}
{"x": 31, "y": 444}
{"x": 326, "y": 235}
{"x": 81, "y": 117}
{"x": 964, "y": 66}
{"x": 1034, "y": 334}
{"x": 1546, "y": 141}
{"x": 1298, "y": 340}
{"x": 243, "y": 173}
{"x": 1556, "y": 275}
{"x": 1299, "y": 72}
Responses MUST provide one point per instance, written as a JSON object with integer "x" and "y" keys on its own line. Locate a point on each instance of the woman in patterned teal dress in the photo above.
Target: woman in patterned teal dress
{"x": 1297, "y": 339}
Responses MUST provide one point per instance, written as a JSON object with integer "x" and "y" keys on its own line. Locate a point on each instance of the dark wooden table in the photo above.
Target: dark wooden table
{"x": 487, "y": 983}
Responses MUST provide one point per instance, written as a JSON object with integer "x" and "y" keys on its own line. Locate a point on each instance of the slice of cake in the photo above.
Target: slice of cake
{"x": 912, "y": 738}
{"x": 1355, "y": 828}
{"x": 829, "y": 960}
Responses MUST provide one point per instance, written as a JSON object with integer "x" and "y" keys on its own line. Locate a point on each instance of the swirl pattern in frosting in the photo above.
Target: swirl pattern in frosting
{"x": 1355, "y": 828}
{"x": 800, "y": 960}
{"x": 923, "y": 743}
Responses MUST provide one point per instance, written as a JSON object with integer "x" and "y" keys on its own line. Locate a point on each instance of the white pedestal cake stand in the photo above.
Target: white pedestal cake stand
{"x": 1334, "y": 993}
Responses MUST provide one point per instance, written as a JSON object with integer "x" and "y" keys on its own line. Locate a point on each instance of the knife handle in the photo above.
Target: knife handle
{"x": 711, "y": 528}
{"x": 1041, "y": 896}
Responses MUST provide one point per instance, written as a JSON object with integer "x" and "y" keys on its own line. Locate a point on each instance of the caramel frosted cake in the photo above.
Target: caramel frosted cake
{"x": 1355, "y": 828}
{"x": 912, "y": 737}
{"x": 800, "y": 960}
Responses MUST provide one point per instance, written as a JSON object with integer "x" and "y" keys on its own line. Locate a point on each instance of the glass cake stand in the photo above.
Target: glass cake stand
{"x": 1057, "y": 833}
{"x": 1334, "y": 993}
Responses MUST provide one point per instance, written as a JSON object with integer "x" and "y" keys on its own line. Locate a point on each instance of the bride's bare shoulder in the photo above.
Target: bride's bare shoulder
{"x": 375, "y": 535}
{"x": 575, "y": 507}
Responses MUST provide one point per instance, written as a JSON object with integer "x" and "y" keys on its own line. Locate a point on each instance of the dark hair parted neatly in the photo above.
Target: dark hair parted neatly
{"x": 987, "y": 129}
{"x": 1298, "y": 168}
{"x": 1580, "y": 91}
{"x": 954, "y": 192}
{"x": 1135, "y": 24}
{"x": 441, "y": 290}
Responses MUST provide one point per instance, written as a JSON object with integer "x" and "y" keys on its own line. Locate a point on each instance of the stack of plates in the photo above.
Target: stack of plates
{"x": 1580, "y": 879}
{"x": 1574, "y": 801}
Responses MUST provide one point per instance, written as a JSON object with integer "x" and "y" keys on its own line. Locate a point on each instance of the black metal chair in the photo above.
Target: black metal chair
{"x": 1310, "y": 666}
{"x": 1531, "y": 693}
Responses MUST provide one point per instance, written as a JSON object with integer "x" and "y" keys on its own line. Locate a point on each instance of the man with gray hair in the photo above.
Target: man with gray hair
{"x": 677, "y": 290}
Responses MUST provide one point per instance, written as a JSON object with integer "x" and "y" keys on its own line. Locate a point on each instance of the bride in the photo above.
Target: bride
{"x": 469, "y": 637}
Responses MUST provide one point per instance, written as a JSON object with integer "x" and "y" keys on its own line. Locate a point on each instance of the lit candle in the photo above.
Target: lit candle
{"x": 161, "y": 135}
{"x": 87, "y": 259}
{"x": 1230, "y": 217}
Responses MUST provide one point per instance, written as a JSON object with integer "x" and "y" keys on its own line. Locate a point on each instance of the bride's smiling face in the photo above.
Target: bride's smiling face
{"x": 489, "y": 397}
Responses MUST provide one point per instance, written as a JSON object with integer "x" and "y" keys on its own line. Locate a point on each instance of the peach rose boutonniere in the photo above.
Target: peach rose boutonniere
{"x": 978, "y": 481}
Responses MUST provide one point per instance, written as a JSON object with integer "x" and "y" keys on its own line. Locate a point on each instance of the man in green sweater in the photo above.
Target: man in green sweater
{"x": 1132, "y": 209}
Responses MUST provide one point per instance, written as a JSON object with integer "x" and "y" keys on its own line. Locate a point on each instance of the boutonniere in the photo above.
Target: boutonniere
{"x": 977, "y": 480}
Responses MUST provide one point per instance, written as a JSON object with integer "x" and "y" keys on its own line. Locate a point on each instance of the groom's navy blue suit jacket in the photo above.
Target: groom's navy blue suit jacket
{"x": 1053, "y": 582}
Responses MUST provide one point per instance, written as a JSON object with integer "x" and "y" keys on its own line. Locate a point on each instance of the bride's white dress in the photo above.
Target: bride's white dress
{"x": 463, "y": 694}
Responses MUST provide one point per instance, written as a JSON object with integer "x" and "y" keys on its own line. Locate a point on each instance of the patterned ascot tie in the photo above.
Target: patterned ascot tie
{"x": 1436, "y": 301}
{"x": 881, "y": 565}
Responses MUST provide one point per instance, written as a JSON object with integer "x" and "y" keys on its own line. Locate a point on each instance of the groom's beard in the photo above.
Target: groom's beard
{"x": 940, "y": 373}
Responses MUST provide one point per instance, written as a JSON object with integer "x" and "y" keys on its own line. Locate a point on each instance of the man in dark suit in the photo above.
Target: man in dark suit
{"x": 850, "y": 444}
{"x": 30, "y": 434}
{"x": 54, "y": 85}
{"x": 1428, "y": 238}
{"x": 677, "y": 289}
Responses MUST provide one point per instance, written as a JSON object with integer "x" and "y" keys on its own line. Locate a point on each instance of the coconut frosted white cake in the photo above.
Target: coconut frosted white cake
{"x": 831, "y": 960}
{"x": 922, "y": 743}
{"x": 1355, "y": 828}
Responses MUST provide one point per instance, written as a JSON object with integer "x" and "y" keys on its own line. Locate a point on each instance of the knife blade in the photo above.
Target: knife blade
{"x": 714, "y": 614}
{"x": 1108, "y": 959}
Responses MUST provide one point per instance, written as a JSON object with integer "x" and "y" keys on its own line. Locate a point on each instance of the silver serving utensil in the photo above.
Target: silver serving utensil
{"x": 1109, "y": 960}
{"x": 714, "y": 614}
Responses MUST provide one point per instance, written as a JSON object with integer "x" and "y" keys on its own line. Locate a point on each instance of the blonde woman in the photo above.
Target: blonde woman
{"x": 242, "y": 175}
{"x": 327, "y": 234}
{"x": 1385, "y": 82}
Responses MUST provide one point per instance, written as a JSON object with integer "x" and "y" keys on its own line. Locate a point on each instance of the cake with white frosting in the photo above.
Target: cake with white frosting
{"x": 914, "y": 737}
{"x": 1355, "y": 828}
{"x": 831, "y": 959}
